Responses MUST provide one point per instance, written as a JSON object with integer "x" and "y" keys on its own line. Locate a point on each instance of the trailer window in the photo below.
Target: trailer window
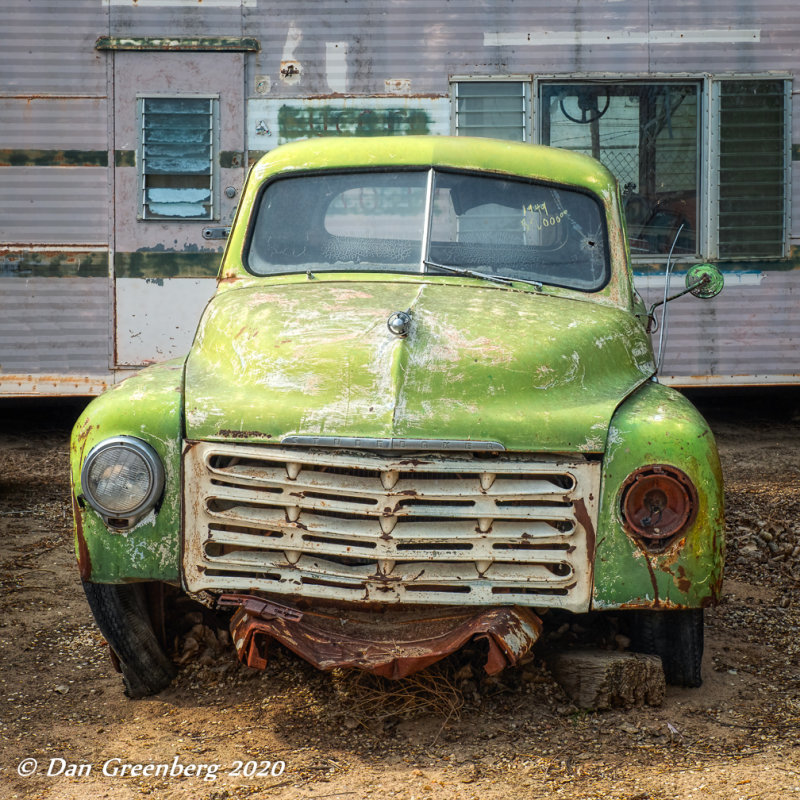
{"x": 703, "y": 162}
{"x": 647, "y": 135}
{"x": 176, "y": 157}
{"x": 752, "y": 169}
{"x": 497, "y": 109}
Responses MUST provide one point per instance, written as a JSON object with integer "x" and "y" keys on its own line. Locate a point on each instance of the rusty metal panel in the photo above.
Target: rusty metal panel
{"x": 412, "y": 47}
{"x": 393, "y": 644}
{"x": 53, "y": 205}
{"x": 54, "y": 326}
{"x": 748, "y": 334}
{"x": 47, "y": 47}
{"x": 348, "y": 525}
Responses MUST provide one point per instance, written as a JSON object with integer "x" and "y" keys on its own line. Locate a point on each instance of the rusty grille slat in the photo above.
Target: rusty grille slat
{"x": 451, "y": 528}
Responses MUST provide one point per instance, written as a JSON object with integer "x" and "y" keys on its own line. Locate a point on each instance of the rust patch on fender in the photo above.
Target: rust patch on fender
{"x": 234, "y": 434}
{"x": 392, "y": 645}
{"x": 81, "y": 549}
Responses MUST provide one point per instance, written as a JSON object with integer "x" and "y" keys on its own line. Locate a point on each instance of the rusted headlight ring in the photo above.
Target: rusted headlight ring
{"x": 658, "y": 503}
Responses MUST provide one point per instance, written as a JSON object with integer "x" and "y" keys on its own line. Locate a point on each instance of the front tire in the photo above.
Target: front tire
{"x": 677, "y": 637}
{"x": 120, "y": 611}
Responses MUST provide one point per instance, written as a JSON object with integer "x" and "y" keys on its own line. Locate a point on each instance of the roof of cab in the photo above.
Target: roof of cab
{"x": 459, "y": 152}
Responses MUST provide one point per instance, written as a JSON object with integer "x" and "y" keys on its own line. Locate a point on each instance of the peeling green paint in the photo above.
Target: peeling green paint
{"x": 53, "y": 158}
{"x": 167, "y": 264}
{"x": 520, "y": 368}
{"x": 231, "y": 158}
{"x": 538, "y": 369}
{"x": 148, "y": 406}
{"x": 224, "y": 44}
{"x": 657, "y": 425}
{"x": 32, "y": 264}
{"x": 301, "y": 122}
{"x": 124, "y": 158}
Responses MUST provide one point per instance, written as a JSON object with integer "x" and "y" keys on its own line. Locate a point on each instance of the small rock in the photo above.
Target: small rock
{"x": 61, "y": 689}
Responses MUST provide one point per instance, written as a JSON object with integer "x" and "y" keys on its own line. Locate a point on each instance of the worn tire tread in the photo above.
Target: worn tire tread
{"x": 677, "y": 637}
{"x": 121, "y": 616}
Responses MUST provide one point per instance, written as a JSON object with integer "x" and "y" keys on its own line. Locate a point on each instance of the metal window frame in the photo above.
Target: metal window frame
{"x": 523, "y": 80}
{"x": 708, "y": 140}
{"x": 645, "y": 79}
{"x": 214, "y": 209}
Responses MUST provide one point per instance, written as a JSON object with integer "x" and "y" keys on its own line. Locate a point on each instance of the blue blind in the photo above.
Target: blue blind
{"x": 177, "y": 157}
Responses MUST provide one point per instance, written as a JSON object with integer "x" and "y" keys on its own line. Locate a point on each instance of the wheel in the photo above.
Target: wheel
{"x": 676, "y": 636}
{"x": 120, "y": 612}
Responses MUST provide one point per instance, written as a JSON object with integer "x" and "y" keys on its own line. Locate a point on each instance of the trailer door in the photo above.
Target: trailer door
{"x": 179, "y": 168}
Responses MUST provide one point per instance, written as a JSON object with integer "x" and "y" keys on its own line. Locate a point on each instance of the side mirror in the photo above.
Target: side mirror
{"x": 704, "y": 281}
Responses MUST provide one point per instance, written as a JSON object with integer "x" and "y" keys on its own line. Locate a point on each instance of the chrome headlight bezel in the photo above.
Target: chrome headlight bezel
{"x": 155, "y": 469}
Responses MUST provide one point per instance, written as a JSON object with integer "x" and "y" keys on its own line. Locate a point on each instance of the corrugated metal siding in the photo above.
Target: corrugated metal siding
{"x": 53, "y": 205}
{"x": 53, "y": 124}
{"x": 47, "y": 47}
{"x": 54, "y": 325}
{"x": 202, "y": 19}
{"x": 777, "y": 21}
{"x": 342, "y": 47}
{"x": 752, "y": 328}
{"x": 426, "y": 42}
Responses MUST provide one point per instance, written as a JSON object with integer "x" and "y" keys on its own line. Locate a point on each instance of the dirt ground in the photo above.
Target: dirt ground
{"x": 291, "y": 732}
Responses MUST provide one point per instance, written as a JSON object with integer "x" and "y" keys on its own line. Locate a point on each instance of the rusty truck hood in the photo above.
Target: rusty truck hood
{"x": 533, "y": 371}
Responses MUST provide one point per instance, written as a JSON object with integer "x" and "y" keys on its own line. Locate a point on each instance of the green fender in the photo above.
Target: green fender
{"x": 148, "y": 406}
{"x": 657, "y": 425}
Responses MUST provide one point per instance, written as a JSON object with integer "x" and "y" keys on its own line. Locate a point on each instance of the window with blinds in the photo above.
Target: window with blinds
{"x": 497, "y": 109}
{"x": 752, "y": 168}
{"x": 176, "y": 157}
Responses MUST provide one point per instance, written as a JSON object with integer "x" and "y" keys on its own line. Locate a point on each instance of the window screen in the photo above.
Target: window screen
{"x": 177, "y": 158}
{"x": 497, "y": 109}
{"x": 752, "y": 168}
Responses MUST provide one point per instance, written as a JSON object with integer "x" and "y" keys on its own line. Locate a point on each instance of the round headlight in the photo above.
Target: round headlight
{"x": 658, "y": 502}
{"x": 122, "y": 477}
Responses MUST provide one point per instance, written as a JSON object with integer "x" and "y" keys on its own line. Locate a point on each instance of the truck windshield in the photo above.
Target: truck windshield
{"x": 412, "y": 221}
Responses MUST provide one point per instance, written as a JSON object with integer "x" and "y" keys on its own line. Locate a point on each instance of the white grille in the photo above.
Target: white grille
{"x": 463, "y": 529}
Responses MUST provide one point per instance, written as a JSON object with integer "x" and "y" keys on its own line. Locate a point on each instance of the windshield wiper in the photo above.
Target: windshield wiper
{"x": 471, "y": 273}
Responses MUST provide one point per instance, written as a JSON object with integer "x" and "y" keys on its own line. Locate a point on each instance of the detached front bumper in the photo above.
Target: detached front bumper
{"x": 391, "y": 644}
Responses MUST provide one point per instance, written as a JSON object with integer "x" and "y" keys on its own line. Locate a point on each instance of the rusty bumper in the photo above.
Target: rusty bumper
{"x": 389, "y": 644}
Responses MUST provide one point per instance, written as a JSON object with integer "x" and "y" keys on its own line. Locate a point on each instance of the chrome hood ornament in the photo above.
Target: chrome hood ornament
{"x": 399, "y": 323}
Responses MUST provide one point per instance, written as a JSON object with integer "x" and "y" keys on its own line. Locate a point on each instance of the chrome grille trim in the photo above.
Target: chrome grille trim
{"x": 335, "y": 524}
{"x": 372, "y": 443}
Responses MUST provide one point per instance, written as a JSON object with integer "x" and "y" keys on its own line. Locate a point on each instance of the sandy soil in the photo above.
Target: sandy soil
{"x": 445, "y": 735}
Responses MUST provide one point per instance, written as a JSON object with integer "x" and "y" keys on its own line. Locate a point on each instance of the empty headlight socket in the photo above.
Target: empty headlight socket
{"x": 657, "y": 503}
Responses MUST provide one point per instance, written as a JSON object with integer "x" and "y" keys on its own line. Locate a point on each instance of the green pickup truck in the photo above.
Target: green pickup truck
{"x": 420, "y": 410}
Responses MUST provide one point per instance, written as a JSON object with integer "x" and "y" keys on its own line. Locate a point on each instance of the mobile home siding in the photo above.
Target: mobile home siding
{"x": 74, "y": 253}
